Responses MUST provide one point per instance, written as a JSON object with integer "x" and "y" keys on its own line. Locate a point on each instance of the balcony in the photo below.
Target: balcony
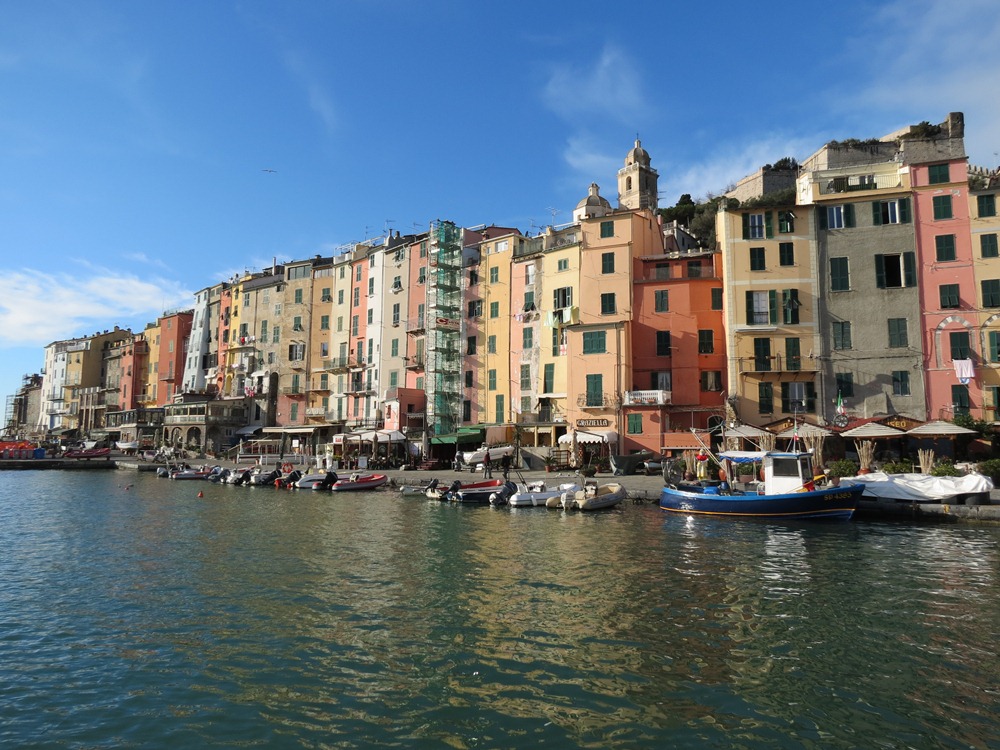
{"x": 859, "y": 182}
{"x": 336, "y": 364}
{"x": 243, "y": 342}
{"x": 778, "y": 363}
{"x": 416, "y": 362}
{"x": 647, "y": 398}
{"x": 356, "y": 362}
{"x": 598, "y": 401}
{"x": 680, "y": 272}
{"x": 292, "y": 390}
{"x": 417, "y": 327}
{"x": 315, "y": 411}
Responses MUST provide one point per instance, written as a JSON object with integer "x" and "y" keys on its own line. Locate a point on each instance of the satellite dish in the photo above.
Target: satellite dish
{"x": 840, "y": 420}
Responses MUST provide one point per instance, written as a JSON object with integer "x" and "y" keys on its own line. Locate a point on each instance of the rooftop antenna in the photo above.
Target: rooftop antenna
{"x": 388, "y": 225}
{"x": 554, "y": 211}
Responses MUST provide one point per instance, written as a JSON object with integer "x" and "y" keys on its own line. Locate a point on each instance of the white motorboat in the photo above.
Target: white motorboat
{"x": 924, "y": 488}
{"x": 537, "y": 494}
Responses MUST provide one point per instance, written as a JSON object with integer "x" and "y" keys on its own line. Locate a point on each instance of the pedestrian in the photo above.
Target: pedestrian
{"x": 487, "y": 467}
{"x": 505, "y": 466}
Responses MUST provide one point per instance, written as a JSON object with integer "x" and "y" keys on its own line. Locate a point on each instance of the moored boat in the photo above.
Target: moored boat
{"x": 437, "y": 491}
{"x": 88, "y": 453}
{"x": 203, "y": 472}
{"x": 594, "y": 496}
{"x": 788, "y": 491}
{"x": 482, "y": 495}
{"x": 537, "y": 493}
{"x": 359, "y": 482}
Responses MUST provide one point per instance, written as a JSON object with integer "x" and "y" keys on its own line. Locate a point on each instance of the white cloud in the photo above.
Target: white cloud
{"x": 318, "y": 97}
{"x": 40, "y": 307}
{"x": 584, "y": 156}
{"x": 610, "y": 87}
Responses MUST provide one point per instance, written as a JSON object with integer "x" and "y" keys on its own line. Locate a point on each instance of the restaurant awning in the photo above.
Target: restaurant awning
{"x": 872, "y": 430}
{"x": 591, "y": 436}
{"x": 250, "y": 429}
{"x": 940, "y": 428}
{"x": 289, "y": 430}
{"x": 804, "y": 429}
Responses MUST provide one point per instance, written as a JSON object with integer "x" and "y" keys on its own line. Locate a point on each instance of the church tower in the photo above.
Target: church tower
{"x": 637, "y": 186}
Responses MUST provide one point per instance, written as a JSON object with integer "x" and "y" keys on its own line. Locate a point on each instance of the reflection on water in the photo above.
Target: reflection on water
{"x": 149, "y": 616}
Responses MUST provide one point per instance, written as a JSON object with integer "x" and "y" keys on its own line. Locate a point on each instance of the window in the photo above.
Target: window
{"x": 661, "y": 381}
{"x": 663, "y": 343}
{"x": 371, "y": 314}
{"x": 607, "y": 229}
{"x": 559, "y": 339}
{"x": 562, "y": 264}
{"x": 294, "y": 415}
{"x": 393, "y": 379}
{"x": 841, "y": 334}
{"x": 793, "y": 353}
{"x": 991, "y": 292}
{"x": 711, "y": 380}
{"x": 494, "y": 275}
{"x": 994, "y": 344}
{"x": 786, "y": 222}
{"x": 340, "y": 323}
{"x": 757, "y": 259}
{"x": 986, "y": 205}
{"x": 762, "y": 354}
{"x": 525, "y": 377}
{"x": 466, "y": 411}
{"x": 297, "y": 323}
{"x": 988, "y": 246}
{"x": 371, "y": 285}
{"x": 419, "y": 385}
{"x": 949, "y": 296}
{"x": 473, "y": 277}
{"x": 528, "y": 339}
{"x": 944, "y": 245}
{"x": 942, "y": 207}
{"x": 608, "y": 306}
{"x": 494, "y": 309}
{"x": 661, "y": 300}
{"x": 706, "y": 341}
{"x": 394, "y": 348}
{"x": 891, "y": 212}
{"x": 895, "y": 271}
{"x": 937, "y": 173}
{"x": 563, "y": 297}
{"x": 790, "y": 306}
{"x": 357, "y": 272}
{"x": 475, "y": 308}
{"x": 470, "y": 345}
{"x": 468, "y": 378}
{"x": 756, "y": 226}
{"x": 298, "y": 296}
{"x": 717, "y": 298}
{"x": 607, "y": 262}
{"x": 960, "y": 400}
{"x": 324, "y": 322}
{"x": 765, "y": 398}
{"x": 786, "y": 254}
{"x": 491, "y": 380}
{"x": 840, "y": 275}
{"x": 900, "y": 383}
{"x": 491, "y": 344}
{"x": 959, "y": 341}
{"x": 397, "y": 282}
{"x": 422, "y": 274}
{"x": 836, "y": 217}
{"x": 897, "y": 333}
{"x": 762, "y": 308}
{"x": 423, "y": 249}
{"x": 595, "y": 390}
{"x": 395, "y": 314}
{"x": 548, "y": 378}
{"x": 845, "y": 384}
{"x": 500, "y": 414}
{"x": 246, "y": 299}
{"x": 340, "y": 296}
{"x": 594, "y": 342}
{"x": 263, "y": 330}
{"x": 634, "y": 424}
{"x": 276, "y": 335}
{"x": 798, "y": 397}
{"x": 357, "y": 296}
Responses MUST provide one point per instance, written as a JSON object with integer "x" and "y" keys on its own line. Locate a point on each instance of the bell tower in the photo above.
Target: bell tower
{"x": 637, "y": 181}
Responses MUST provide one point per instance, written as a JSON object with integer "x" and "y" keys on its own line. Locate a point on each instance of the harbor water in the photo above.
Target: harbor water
{"x": 134, "y": 613}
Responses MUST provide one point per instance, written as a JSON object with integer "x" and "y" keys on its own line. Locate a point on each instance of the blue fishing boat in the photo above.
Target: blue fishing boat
{"x": 787, "y": 490}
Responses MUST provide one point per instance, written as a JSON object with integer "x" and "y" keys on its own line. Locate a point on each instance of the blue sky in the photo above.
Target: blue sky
{"x": 134, "y": 135}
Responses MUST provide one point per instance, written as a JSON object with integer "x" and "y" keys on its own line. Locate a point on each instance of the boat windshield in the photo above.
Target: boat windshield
{"x": 786, "y": 467}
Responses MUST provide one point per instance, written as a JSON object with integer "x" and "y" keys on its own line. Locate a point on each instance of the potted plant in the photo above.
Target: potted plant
{"x": 550, "y": 462}
{"x": 842, "y": 467}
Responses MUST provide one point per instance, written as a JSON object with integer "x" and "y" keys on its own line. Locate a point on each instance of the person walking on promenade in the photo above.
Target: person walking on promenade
{"x": 487, "y": 467}
{"x": 505, "y": 466}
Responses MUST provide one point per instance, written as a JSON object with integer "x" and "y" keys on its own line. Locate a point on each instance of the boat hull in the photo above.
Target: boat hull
{"x": 365, "y": 482}
{"x": 830, "y": 503}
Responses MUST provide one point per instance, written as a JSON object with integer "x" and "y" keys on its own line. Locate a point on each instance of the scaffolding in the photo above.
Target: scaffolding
{"x": 443, "y": 328}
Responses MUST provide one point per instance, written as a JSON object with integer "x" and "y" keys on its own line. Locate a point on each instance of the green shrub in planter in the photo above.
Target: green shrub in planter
{"x": 842, "y": 467}
{"x": 945, "y": 468}
{"x": 897, "y": 467}
{"x": 990, "y": 468}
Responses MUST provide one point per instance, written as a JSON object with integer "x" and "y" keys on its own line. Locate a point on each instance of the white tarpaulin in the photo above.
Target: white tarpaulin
{"x": 919, "y": 487}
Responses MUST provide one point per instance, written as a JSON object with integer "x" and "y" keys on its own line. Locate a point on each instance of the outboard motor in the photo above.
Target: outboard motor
{"x": 432, "y": 484}
{"x": 244, "y": 477}
{"x": 327, "y": 482}
{"x": 452, "y": 491}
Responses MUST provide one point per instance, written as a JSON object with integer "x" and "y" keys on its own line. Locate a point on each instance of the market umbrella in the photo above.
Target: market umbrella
{"x": 935, "y": 429}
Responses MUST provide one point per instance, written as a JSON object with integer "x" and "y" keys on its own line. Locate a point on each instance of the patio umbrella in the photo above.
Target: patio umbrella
{"x": 935, "y": 429}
